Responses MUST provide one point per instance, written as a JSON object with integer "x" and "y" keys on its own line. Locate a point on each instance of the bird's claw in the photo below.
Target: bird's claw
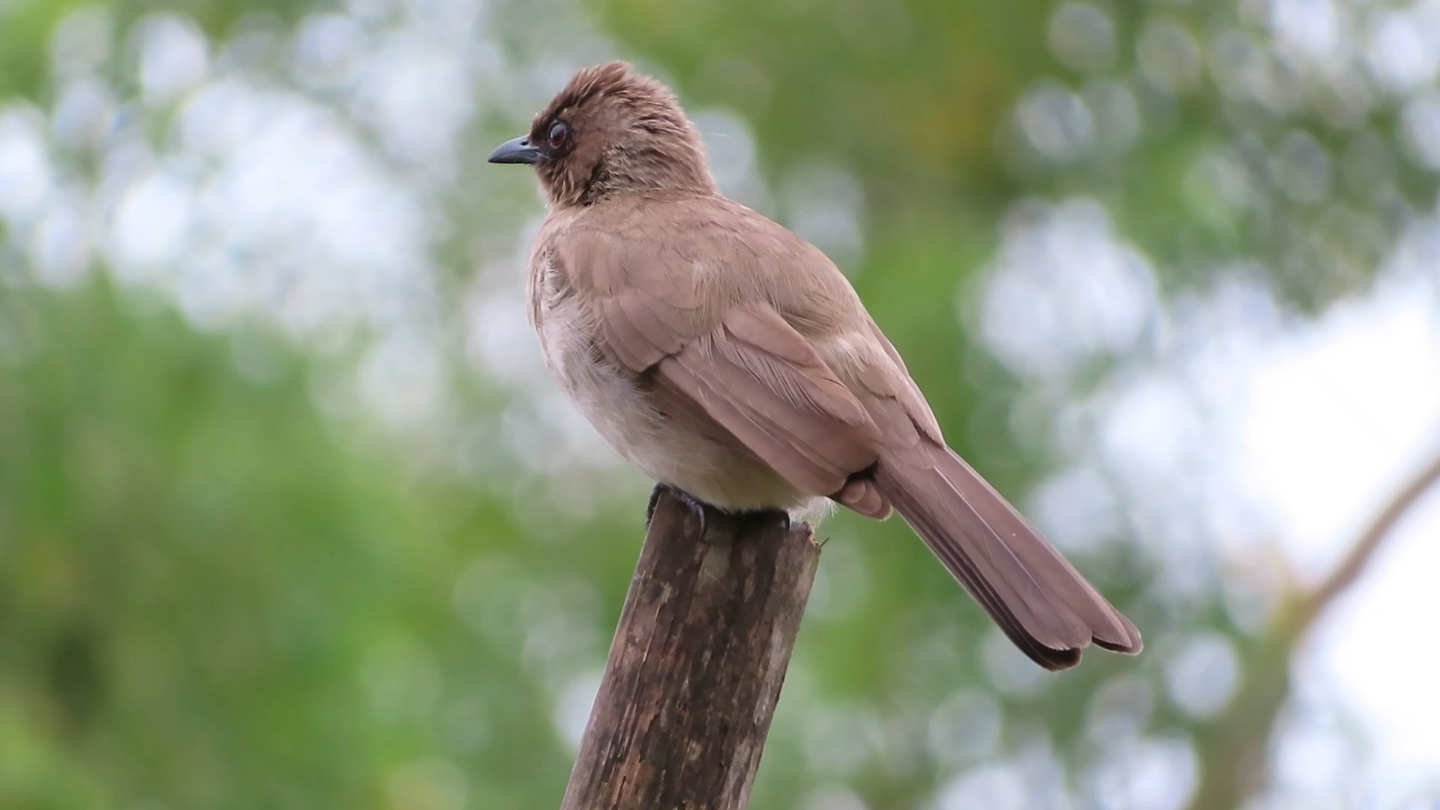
{"x": 699, "y": 508}
{"x": 695, "y": 505}
{"x": 654, "y": 501}
{"x": 781, "y": 516}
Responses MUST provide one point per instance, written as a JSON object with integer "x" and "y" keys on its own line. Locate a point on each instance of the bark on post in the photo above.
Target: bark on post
{"x": 696, "y": 665}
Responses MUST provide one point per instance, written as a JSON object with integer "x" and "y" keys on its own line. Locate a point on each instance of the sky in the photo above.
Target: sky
{"x": 1337, "y": 416}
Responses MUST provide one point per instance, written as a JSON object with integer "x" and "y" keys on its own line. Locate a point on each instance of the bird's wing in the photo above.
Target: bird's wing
{"x": 763, "y": 382}
{"x": 686, "y": 303}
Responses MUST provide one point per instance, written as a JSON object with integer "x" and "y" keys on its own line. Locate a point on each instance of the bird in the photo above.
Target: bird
{"x": 733, "y": 363}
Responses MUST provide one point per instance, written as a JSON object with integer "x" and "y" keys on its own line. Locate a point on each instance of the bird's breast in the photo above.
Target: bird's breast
{"x": 621, "y": 407}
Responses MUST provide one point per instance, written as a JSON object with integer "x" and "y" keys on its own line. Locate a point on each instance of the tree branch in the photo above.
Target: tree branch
{"x": 1232, "y": 749}
{"x": 696, "y": 665}
{"x": 1364, "y": 550}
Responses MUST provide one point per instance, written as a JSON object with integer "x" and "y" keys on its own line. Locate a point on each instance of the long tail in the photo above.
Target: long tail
{"x": 1034, "y": 594}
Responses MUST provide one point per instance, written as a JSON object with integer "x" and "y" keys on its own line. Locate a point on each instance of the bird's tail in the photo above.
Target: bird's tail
{"x": 1034, "y": 594}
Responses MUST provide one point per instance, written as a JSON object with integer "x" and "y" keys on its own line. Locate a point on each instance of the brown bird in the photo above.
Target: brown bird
{"x": 730, "y": 360}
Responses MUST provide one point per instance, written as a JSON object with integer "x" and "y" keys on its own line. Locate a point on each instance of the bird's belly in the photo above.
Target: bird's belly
{"x": 666, "y": 449}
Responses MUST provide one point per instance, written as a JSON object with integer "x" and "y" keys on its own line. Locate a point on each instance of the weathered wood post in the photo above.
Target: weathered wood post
{"x": 697, "y": 662}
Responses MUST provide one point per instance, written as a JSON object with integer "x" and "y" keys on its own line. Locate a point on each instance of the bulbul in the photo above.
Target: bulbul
{"x": 730, "y": 360}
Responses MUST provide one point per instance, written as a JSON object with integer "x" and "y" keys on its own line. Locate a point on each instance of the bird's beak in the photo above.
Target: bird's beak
{"x": 517, "y": 150}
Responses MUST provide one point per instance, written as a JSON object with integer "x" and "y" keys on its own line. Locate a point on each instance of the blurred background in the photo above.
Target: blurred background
{"x": 292, "y": 516}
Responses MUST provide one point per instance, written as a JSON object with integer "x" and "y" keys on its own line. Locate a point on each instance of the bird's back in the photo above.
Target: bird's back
{"x": 701, "y": 254}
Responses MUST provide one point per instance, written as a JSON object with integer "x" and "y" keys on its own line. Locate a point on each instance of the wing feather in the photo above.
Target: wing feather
{"x": 760, "y": 379}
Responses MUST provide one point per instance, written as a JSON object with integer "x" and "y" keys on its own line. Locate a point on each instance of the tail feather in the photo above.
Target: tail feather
{"x": 1036, "y": 597}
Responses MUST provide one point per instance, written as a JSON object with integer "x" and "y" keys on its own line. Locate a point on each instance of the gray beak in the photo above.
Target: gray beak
{"x": 517, "y": 150}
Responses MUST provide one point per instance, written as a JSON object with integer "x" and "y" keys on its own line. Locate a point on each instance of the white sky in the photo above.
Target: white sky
{"x": 1335, "y": 418}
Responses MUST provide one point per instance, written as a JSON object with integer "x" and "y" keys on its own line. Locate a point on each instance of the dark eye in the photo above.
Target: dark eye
{"x": 559, "y": 134}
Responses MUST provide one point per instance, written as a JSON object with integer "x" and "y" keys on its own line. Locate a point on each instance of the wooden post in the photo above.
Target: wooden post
{"x": 696, "y": 664}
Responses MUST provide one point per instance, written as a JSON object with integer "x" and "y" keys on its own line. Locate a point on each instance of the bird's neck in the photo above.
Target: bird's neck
{"x": 603, "y": 193}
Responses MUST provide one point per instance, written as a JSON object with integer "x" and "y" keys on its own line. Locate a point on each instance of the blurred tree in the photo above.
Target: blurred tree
{"x": 208, "y": 599}
{"x": 267, "y": 538}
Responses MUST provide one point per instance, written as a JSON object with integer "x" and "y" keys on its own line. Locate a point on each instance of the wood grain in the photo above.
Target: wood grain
{"x": 697, "y": 663}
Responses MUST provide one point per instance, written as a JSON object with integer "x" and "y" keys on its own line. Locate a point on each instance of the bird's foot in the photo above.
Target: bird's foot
{"x": 654, "y": 501}
{"x": 695, "y": 504}
{"x": 781, "y": 516}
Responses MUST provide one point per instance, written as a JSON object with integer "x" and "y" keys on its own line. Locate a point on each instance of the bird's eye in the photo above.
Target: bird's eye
{"x": 559, "y": 134}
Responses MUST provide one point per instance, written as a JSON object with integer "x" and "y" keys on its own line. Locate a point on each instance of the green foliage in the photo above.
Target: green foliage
{"x": 208, "y": 599}
{"x": 26, "y": 27}
{"x": 219, "y": 588}
{"x": 24, "y": 44}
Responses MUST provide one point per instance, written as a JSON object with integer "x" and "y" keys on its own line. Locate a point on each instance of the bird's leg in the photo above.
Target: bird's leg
{"x": 654, "y": 501}
{"x": 695, "y": 504}
{"x": 782, "y": 516}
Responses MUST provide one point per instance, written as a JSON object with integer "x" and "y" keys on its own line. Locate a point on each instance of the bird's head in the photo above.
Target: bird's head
{"x": 610, "y": 132}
